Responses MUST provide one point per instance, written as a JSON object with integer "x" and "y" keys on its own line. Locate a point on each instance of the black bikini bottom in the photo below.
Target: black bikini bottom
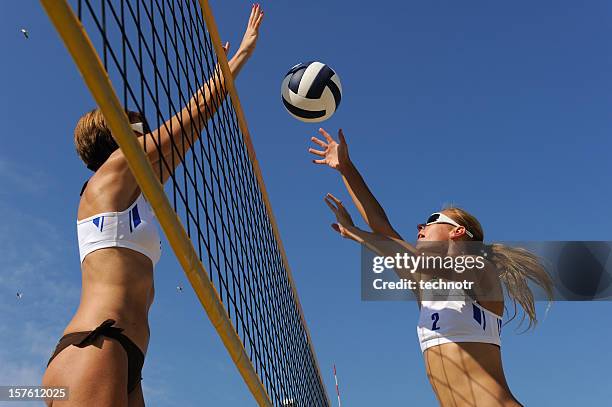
{"x": 106, "y": 328}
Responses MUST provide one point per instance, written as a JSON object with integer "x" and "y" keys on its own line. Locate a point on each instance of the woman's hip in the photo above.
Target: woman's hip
{"x": 102, "y": 348}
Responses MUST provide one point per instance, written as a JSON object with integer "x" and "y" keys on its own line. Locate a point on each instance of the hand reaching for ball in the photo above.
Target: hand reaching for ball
{"x": 335, "y": 154}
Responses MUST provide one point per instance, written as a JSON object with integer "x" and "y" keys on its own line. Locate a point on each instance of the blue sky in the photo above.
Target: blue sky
{"x": 501, "y": 108}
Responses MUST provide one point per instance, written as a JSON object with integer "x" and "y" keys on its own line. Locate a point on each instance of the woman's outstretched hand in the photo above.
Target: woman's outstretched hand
{"x": 249, "y": 41}
{"x": 334, "y": 154}
{"x": 344, "y": 224}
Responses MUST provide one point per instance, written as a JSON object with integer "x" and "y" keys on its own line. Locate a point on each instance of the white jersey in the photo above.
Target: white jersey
{"x": 457, "y": 321}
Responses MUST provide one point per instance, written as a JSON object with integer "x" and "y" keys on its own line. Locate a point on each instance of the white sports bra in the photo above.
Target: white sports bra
{"x": 133, "y": 228}
{"x": 457, "y": 321}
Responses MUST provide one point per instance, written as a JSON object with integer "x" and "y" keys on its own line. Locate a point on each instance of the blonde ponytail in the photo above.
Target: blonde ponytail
{"x": 517, "y": 267}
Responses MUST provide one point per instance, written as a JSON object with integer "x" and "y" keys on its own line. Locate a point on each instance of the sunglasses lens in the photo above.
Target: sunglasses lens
{"x": 433, "y": 218}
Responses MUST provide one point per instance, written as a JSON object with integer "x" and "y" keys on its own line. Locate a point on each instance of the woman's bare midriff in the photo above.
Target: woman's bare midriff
{"x": 118, "y": 285}
{"x": 468, "y": 374}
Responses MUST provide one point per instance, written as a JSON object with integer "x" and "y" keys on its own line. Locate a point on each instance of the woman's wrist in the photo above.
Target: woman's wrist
{"x": 345, "y": 168}
{"x": 238, "y": 60}
{"x": 243, "y": 53}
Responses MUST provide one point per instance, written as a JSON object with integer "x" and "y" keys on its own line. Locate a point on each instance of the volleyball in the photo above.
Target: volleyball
{"x": 311, "y": 92}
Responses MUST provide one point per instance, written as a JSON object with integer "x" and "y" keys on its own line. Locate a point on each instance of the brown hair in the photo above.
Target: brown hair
{"x": 93, "y": 140}
{"x": 517, "y": 266}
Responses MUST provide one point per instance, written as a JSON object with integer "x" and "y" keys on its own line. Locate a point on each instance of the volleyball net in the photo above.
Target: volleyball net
{"x": 158, "y": 57}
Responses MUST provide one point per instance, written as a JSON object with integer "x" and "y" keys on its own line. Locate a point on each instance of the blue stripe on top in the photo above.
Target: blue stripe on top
{"x": 136, "y": 216}
{"x": 477, "y": 314}
{"x": 99, "y": 222}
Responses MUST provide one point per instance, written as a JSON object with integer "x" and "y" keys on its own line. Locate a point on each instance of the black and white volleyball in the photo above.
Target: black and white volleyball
{"x": 311, "y": 92}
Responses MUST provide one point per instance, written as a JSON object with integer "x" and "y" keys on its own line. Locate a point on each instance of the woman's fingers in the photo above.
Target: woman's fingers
{"x": 326, "y": 135}
{"x": 330, "y": 204}
{"x": 316, "y": 152}
{"x": 226, "y": 48}
{"x": 336, "y": 200}
{"x": 254, "y": 14}
{"x": 333, "y": 203}
{"x": 319, "y": 142}
{"x": 258, "y": 19}
{"x": 321, "y": 161}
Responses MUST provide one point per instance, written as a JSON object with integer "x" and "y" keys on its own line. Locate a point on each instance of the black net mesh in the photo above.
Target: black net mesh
{"x": 160, "y": 59}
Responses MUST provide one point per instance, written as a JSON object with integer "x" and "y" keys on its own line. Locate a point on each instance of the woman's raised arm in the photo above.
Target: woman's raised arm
{"x": 203, "y": 104}
{"x": 335, "y": 155}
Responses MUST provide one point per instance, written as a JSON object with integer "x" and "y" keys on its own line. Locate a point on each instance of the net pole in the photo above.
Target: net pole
{"x": 337, "y": 388}
{"x": 96, "y": 78}
{"x": 231, "y": 89}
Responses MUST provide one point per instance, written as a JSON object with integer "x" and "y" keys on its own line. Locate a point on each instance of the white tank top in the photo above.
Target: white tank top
{"x": 457, "y": 321}
{"x": 133, "y": 228}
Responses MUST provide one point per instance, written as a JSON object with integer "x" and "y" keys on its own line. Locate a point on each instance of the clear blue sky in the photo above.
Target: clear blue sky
{"x": 503, "y": 108}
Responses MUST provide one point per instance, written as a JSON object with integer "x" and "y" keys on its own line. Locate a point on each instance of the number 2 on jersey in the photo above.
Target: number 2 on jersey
{"x": 435, "y": 317}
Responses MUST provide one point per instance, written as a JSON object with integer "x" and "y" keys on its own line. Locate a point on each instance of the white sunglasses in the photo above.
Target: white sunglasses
{"x": 439, "y": 217}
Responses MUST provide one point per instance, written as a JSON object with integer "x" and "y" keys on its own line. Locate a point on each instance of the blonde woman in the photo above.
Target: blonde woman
{"x": 460, "y": 339}
{"x": 101, "y": 355}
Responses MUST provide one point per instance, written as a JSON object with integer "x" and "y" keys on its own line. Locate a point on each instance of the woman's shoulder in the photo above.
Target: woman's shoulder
{"x": 107, "y": 193}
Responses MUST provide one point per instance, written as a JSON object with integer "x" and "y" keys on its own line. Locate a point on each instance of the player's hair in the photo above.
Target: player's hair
{"x": 516, "y": 265}
{"x": 93, "y": 140}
